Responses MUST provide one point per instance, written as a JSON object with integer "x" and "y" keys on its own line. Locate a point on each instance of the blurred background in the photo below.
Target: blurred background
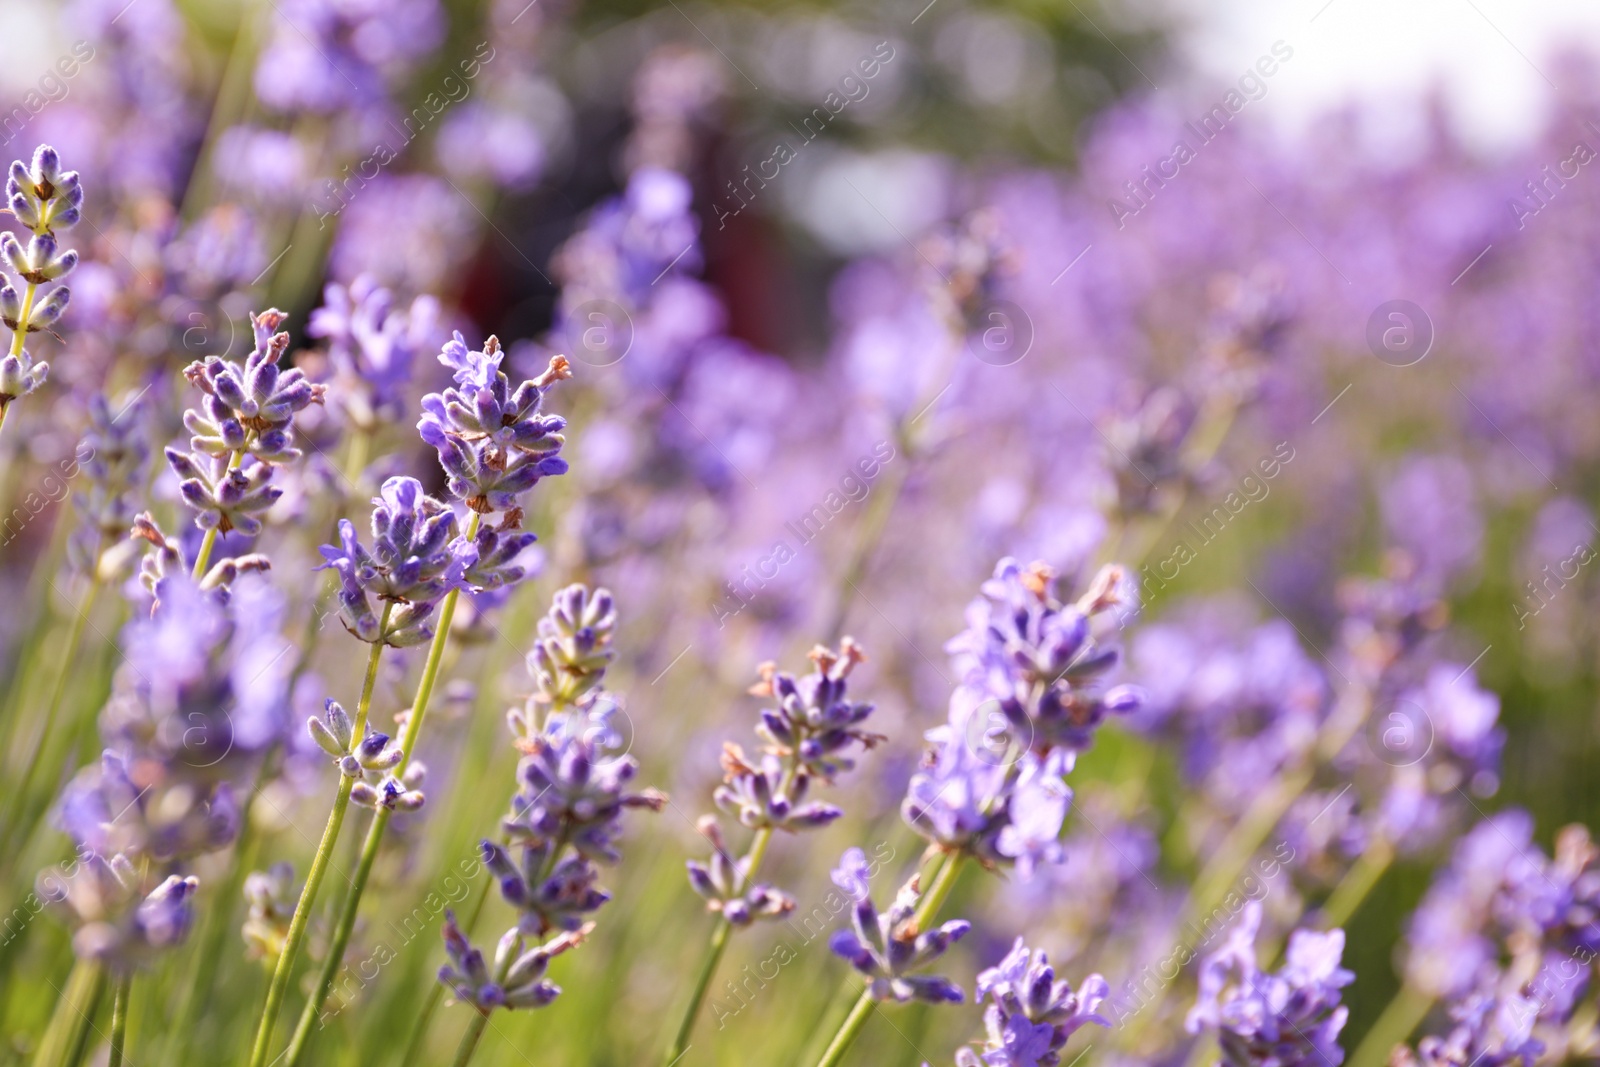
{"x": 746, "y": 332}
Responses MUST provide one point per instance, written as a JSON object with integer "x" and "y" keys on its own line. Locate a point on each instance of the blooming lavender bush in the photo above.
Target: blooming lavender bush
{"x": 1252, "y": 519}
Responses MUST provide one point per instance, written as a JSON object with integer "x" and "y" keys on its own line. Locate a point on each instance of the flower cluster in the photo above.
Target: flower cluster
{"x": 1039, "y": 660}
{"x": 574, "y": 784}
{"x": 165, "y": 560}
{"x": 809, "y": 734}
{"x": 372, "y": 347}
{"x": 518, "y": 979}
{"x": 112, "y": 459}
{"x": 889, "y": 947}
{"x": 492, "y": 441}
{"x": 368, "y": 761}
{"x": 247, "y": 410}
{"x": 1288, "y": 1019}
{"x": 45, "y": 199}
{"x": 270, "y": 895}
{"x": 1031, "y": 1014}
{"x": 417, "y": 557}
{"x": 116, "y": 924}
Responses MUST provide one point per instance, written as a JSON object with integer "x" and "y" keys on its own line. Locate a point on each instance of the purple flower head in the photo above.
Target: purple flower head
{"x": 1493, "y": 1028}
{"x": 416, "y": 558}
{"x": 112, "y": 458}
{"x": 45, "y": 199}
{"x": 1031, "y": 1014}
{"x": 1039, "y": 660}
{"x": 492, "y": 441}
{"x": 1288, "y": 1019}
{"x": 469, "y": 977}
{"x": 1146, "y": 454}
{"x": 372, "y": 346}
{"x": 762, "y": 797}
{"x": 815, "y": 719}
{"x": 574, "y": 789}
{"x": 166, "y": 561}
{"x": 250, "y": 407}
{"x": 887, "y": 948}
{"x": 722, "y": 882}
{"x": 340, "y": 55}
{"x": 114, "y": 926}
{"x": 569, "y": 660}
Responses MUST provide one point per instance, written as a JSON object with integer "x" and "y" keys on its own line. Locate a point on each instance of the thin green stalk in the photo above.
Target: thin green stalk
{"x": 58, "y": 691}
{"x": 938, "y": 892}
{"x": 720, "y": 934}
{"x": 319, "y": 866}
{"x": 119, "y": 1019}
{"x": 1394, "y": 1026}
{"x": 63, "y": 1042}
{"x": 20, "y": 334}
{"x": 210, "y": 539}
{"x": 380, "y": 822}
{"x": 1357, "y": 883}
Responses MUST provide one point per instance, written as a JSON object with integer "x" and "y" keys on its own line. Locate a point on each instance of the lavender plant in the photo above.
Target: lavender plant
{"x": 44, "y": 198}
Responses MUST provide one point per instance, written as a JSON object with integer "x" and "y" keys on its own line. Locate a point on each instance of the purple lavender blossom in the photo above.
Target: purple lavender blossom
{"x": 1039, "y": 659}
{"x": 1493, "y": 1028}
{"x": 492, "y": 441}
{"x": 887, "y": 948}
{"x": 373, "y": 347}
{"x": 1031, "y": 1014}
{"x": 417, "y": 557}
{"x": 44, "y": 198}
{"x": 114, "y": 925}
{"x": 524, "y": 984}
{"x": 1288, "y": 1019}
{"x": 114, "y": 453}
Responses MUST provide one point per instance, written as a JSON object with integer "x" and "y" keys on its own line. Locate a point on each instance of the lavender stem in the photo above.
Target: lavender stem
{"x": 380, "y": 822}
{"x": 319, "y": 868}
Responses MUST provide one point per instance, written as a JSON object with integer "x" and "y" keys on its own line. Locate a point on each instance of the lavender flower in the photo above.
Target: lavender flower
{"x": 724, "y": 883}
{"x": 271, "y": 895}
{"x": 114, "y": 925}
{"x": 518, "y": 980}
{"x": 569, "y": 659}
{"x": 1038, "y": 658}
{"x": 165, "y": 560}
{"x": 44, "y": 198}
{"x": 416, "y": 559}
{"x": 1032, "y": 1015}
{"x": 112, "y": 458}
{"x": 888, "y": 947}
{"x": 1285, "y": 1019}
{"x": 367, "y": 762}
{"x": 492, "y": 441}
{"x": 1493, "y": 1028}
{"x": 963, "y": 800}
{"x": 246, "y": 410}
{"x": 808, "y": 734}
{"x": 373, "y": 347}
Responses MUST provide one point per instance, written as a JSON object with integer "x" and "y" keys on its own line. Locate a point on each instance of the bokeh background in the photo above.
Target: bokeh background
{"x": 746, "y": 355}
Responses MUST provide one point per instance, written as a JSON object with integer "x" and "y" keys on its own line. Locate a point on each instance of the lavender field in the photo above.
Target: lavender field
{"x": 791, "y": 534}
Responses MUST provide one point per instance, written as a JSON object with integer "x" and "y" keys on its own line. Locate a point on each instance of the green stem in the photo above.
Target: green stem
{"x": 380, "y": 822}
{"x": 938, "y": 892}
{"x": 119, "y": 1019}
{"x": 1393, "y": 1027}
{"x": 720, "y": 935}
{"x": 210, "y": 539}
{"x": 76, "y": 1005}
{"x": 20, "y": 334}
{"x": 849, "y": 1030}
{"x": 480, "y": 1019}
{"x": 721, "y": 931}
{"x": 1357, "y": 883}
{"x": 319, "y": 866}
{"x": 58, "y": 692}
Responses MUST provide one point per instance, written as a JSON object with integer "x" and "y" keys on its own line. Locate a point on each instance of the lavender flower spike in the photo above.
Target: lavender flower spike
{"x": 1031, "y": 1014}
{"x": 492, "y": 441}
{"x": 888, "y": 947}
{"x": 416, "y": 559}
{"x": 1288, "y": 1019}
{"x": 518, "y": 979}
{"x": 45, "y": 199}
